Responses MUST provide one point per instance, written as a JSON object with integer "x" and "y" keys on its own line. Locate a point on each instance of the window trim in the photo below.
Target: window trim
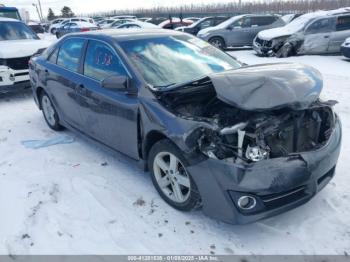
{"x": 83, "y": 55}
{"x": 80, "y": 58}
{"x": 336, "y": 25}
{"x": 316, "y": 20}
{"x": 113, "y": 50}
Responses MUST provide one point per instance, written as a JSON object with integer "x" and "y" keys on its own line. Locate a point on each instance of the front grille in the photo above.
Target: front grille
{"x": 263, "y": 43}
{"x": 20, "y": 63}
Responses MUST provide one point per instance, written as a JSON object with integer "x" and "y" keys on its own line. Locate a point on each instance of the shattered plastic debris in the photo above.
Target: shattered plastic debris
{"x": 36, "y": 144}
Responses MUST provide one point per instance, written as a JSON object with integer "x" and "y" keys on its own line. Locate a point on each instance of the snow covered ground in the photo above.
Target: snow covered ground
{"x": 80, "y": 198}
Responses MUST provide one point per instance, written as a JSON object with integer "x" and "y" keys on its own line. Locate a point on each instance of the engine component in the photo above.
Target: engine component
{"x": 256, "y": 153}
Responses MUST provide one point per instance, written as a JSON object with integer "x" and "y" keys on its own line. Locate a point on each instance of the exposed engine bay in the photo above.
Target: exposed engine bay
{"x": 249, "y": 136}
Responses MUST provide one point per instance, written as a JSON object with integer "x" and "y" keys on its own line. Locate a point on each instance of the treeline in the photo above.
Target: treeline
{"x": 275, "y": 6}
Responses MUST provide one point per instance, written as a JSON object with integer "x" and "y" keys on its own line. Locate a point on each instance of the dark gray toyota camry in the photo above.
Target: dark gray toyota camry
{"x": 241, "y": 142}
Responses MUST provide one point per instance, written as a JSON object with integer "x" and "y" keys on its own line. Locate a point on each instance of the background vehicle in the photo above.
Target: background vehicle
{"x": 136, "y": 24}
{"x": 345, "y": 48}
{"x": 105, "y": 22}
{"x": 239, "y": 30}
{"x": 290, "y": 17}
{"x": 243, "y": 143}
{"x": 145, "y": 19}
{"x": 10, "y": 12}
{"x": 174, "y": 23}
{"x": 202, "y": 24}
{"x": 17, "y": 44}
{"x": 54, "y": 27}
{"x": 119, "y": 22}
{"x": 157, "y": 20}
{"x": 125, "y": 17}
{"x": 36, "y": 27}
{"x": 74, "y": 27}
{"x": 315, "y": 33}
{"x": 193, "y": 19}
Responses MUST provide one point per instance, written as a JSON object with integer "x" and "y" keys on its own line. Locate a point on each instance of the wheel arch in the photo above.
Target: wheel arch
{"x": 38, "y": 92}
{"x": 150, "y": 139}
{"x": 218, "y": 36}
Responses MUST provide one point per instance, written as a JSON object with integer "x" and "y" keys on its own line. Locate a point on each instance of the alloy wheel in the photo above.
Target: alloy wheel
{"x": 49, "y": 111}
{"x": 172, "y": 177}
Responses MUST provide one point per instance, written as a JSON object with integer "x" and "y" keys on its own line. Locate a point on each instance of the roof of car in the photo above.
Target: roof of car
{"x": 128, "y": 34}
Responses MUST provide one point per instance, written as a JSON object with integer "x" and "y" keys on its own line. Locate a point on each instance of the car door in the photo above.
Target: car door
{"x": 341, "y": 32}
{"x": 237, "y": 32}
{"x": 109, "y": 116}
{"x": 317, "y": 36}
{"x": 62, "y": 77}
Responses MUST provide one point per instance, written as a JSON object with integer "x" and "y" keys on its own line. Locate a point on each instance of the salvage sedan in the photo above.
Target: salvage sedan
{"x": 241, "y": 142}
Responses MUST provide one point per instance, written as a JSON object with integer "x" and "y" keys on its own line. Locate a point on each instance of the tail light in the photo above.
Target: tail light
{"x": 84, "y": 29}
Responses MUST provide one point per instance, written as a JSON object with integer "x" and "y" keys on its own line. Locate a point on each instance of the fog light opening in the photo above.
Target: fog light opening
{"x": 246, "y": 202}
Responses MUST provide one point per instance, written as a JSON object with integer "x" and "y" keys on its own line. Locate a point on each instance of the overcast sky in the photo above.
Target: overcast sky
{"x": 89, "y": 6}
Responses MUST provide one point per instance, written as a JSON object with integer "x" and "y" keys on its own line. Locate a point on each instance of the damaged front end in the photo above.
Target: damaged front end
{"x": 266, "y": 113}
{"x": 266, "y": 132}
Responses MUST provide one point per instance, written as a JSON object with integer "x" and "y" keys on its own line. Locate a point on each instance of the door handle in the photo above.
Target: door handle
{"x": 326, "y": 36}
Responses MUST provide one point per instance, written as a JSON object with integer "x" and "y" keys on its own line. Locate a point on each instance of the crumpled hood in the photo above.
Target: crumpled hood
{"x": 21, "y": 48}
{"x": 269, "y": 86}
{"x": 270, "y": 34}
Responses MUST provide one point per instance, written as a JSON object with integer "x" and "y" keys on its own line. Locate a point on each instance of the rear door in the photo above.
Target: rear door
{"x": 317, "y": 36}
{"x": 62, "y": 78}
{"x": 109, "y": 116}
{"x": 341, "y": 32}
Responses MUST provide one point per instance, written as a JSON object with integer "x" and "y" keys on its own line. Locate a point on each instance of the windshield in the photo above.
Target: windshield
{"x": 10, "y": 14}
{"x": 300, "y": 22}
{"x": 15, "y": 31}
{"x": 170, "y": 60}
{"x": 197, "y": 22}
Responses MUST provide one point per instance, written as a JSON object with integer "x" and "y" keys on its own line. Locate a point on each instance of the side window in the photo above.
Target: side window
{"x": 69, "y": 54}
{"x": 323, "y": 25}
{"x": 206, "y": 23}
{"x": 219, "y": 20}
{"x": 247, "y": 22}
{"x": 343, "y": 23}
{"x": 238, "y": 23}
{"x": 53, "y": 56}
{"x": 101, "y": 61}
{"x": 263, "y": 20}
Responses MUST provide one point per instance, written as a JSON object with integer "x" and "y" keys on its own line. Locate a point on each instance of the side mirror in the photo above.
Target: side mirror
{"x": 230, "y": 27}
{"x": 115, "y": 82}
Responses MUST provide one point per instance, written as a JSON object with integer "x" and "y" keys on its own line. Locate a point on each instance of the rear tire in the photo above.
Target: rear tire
{"x": 53, "y": 31}
{"x": 170, "y": 177}
{"x": 218, "y": 42}
{"x": 49, "y": 112}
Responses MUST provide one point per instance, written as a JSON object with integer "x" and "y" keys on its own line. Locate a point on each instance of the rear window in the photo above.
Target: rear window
{"x": 69, "y": 54}
{"x": 343, "y": 23}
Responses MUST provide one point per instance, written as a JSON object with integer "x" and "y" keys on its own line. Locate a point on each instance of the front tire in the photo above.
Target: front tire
{"x": 285, "y": 51}
{"x": 170, "y": 177}
{"x": 218, "y": 42}
{"x": 49, "y": 112}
